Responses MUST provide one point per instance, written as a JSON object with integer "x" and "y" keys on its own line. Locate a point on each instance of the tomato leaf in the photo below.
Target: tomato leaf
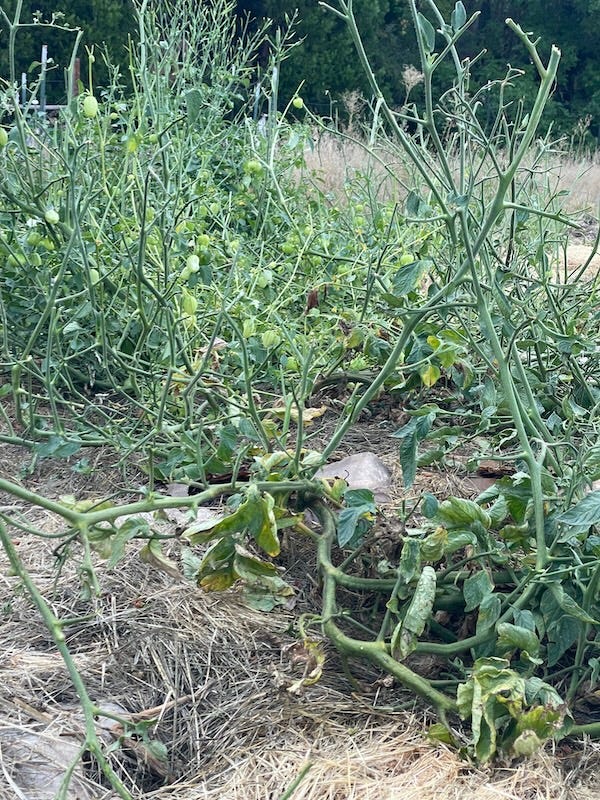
{"x": 458, "y": 16}
{"x": 584, "y": 514}
{"x": 427, "y": 33}
{"x": 476, "y": 588}
{"x": 357, "y": 517}
{"x": 404, "y": 638}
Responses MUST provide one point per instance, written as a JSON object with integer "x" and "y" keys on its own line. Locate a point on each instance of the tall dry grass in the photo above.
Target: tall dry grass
{"x": 336, "y": 158}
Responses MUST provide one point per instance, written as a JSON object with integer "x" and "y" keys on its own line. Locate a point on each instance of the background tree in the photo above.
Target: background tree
{"x": 325, "y": 62}
{"x": 107, "y": 25}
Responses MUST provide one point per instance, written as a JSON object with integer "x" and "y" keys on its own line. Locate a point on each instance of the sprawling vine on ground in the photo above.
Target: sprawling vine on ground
{"x": 177, "y": 285}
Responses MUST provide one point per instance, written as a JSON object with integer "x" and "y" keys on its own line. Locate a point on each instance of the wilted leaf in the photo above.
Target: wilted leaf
{"x": 433, "y": 546}
{"x": 513, "y": 637}
{"x": 410, "y": 559}
{"x": 493, "y": 692}
{"x": 457, "y": 540}
{"x": 275, "y": 592}
{"x": 251, "y": 569}
{"x": 429, "y": 506}
{"x": 308, "y": 414}
{"x": 311, "y": 654}
{"x": 190, "y": 563}
{"x": 404, "y": 639}
{"x": 458, "y": 512}
{"x": 152, "y": 554}
{"x": 218, "y": 580}
{"x": 357, "y": 517}
{"x": 415, "y": 430}
{"x": 569, "y": 606}
{"x": 254, "y": 516}
{"x": 489, "y": 612}
{"x": 438, "y": 732}
{"x": 56, "y": 447}
{"x": 476, "y": 587}
{"x": 584, "y": 514}
{"x": 132, "y": 528}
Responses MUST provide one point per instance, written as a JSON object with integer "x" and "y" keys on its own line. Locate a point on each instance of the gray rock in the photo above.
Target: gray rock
{"x": 361, "y": 471}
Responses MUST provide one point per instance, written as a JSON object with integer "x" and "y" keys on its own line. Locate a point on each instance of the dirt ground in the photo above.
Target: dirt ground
{"x": 217, "y": 680}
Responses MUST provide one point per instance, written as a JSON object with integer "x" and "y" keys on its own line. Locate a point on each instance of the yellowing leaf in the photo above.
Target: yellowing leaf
{"x": 430, "y": 375}
{"x": 308, "y": 414}
{"x": 218, "y": 580}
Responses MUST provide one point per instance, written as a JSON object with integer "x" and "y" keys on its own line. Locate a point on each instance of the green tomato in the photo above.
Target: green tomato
{"x": 406, "y": 259}
{"x": 3, "y": 137}
{"x": 264, "y": 279}
{"x": 94, "y": 276}
{"x": 249, "y": 328}
{"x": 51, "y": 216}
{"x": 287, "y": 248}
{"x": 17, "y": 260}
{"x": 253, "y": 167}
{"x": 270, "y": 339}
{"x": 298, "y": 102}
{"x": 185, "y": 273}
{"x": 90, "y": 107}
{"x": 203, "y": 241}
{"x": 189, "y": 303}
{"x": 192, "y": 263}
{"x": 35, "y": 260}
{"x": 34, "y": 238}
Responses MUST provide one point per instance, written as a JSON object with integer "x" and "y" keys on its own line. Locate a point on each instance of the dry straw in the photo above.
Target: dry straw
{"x": 215, "y": 674}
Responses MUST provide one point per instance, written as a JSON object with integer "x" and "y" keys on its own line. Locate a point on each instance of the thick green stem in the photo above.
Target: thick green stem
{"x": 375, "y": 651}
{"x": 155, "y": 503}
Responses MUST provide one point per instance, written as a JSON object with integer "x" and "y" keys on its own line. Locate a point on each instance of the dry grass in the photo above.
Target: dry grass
{"x": 335, "y": 159}
{"x": 215, "y": 675}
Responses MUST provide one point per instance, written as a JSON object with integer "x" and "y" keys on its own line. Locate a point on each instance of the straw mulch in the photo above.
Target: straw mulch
{"x": 216, "y": 675}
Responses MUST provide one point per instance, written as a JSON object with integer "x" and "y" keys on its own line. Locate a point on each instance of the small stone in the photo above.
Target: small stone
{"x": 361, "y": 471}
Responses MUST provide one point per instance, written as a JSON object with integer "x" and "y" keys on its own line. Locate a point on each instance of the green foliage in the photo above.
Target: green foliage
{"x": 176, "y": 284}
{"x": 357, "y": 517}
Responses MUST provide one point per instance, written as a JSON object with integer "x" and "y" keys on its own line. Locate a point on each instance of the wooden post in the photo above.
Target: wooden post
{"x": 43, "y": 79}
{"x": 76, "y": 76}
